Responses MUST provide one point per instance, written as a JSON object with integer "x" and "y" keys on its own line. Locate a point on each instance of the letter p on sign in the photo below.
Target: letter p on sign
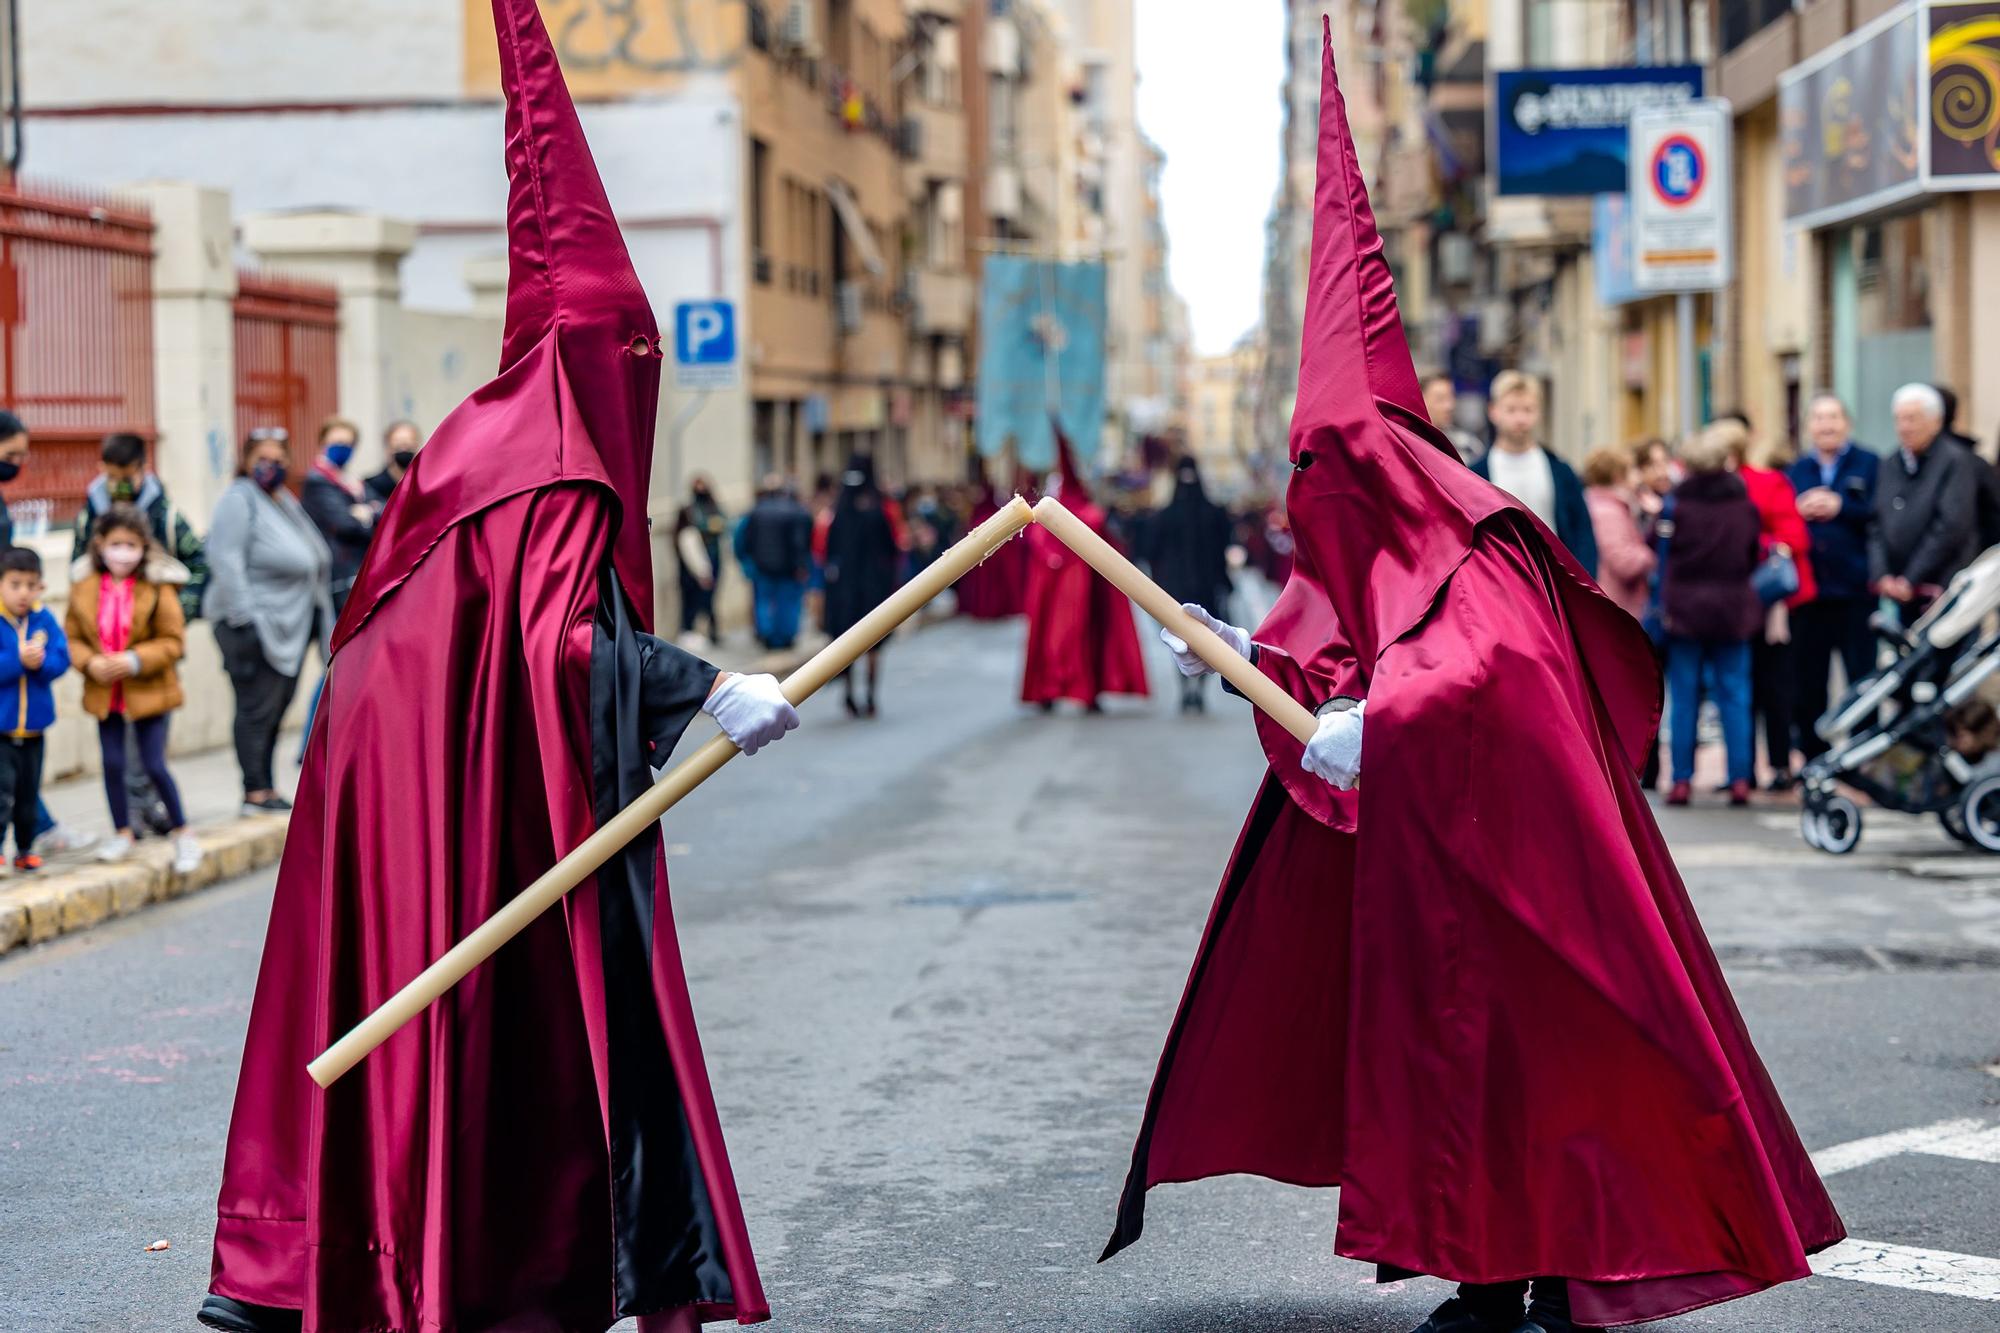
{"x": 705, "y": 343}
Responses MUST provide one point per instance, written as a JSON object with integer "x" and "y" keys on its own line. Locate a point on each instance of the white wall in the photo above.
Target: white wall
{"x": 137, "y": 52}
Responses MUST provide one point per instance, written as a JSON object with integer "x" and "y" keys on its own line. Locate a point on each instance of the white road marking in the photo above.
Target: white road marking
{"x": 1941, "y": 1272}
{"x": 1860, "y": 1152}
{"x": 1977, "y": 1146}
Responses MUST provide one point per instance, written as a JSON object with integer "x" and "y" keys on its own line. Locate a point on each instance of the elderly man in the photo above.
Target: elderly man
{"x": 1835, "y": 480}
{"x": 1926, "y": 505}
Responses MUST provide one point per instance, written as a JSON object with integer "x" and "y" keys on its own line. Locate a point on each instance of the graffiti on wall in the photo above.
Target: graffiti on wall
{"x": 610, "y": 47}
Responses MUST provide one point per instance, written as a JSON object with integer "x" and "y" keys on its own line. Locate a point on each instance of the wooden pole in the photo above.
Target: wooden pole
{"x": 1251, "y": 683}
{"x": 643, "y": 813}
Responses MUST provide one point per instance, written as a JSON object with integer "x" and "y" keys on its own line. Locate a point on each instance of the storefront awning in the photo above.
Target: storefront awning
{"x": 848, "y": 208}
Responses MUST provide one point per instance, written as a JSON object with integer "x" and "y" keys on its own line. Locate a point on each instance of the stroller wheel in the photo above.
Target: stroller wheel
{"x": 1980, "y": 812}
{"x": 1838, "y": 825}
{"x": 1809, "y": 827}
{"x": 1953, "y": 819}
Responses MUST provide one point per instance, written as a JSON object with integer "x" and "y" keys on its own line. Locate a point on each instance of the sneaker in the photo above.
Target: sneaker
{"x": 58, "y": 840}
{"x": 114, "y": 848}
{"x": 270, "y": 805}
{"x": 1739, "y": 793}
{"x": 28, "y": 864}
{"x": 1680, "y": 793}
{"x": 187, "y": 854}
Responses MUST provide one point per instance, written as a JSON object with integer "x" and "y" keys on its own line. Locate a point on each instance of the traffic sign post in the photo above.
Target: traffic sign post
{"x": 1679, "y": 188}
{"x": 1678, "y": 192}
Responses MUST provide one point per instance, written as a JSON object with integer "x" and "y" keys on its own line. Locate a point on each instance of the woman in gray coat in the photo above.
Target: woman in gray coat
{"x": 267, "y": 598}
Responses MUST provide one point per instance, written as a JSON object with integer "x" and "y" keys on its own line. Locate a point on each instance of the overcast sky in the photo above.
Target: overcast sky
{"x": 1209, "y": 90}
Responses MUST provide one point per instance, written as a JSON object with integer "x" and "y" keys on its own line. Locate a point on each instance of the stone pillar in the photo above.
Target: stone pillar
{"x": 486, "y": 279}
{"x": 194, "y": 343}
{"x": 361, "y": 254}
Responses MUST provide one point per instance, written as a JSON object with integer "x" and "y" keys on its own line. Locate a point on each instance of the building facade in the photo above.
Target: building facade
{"x": 802, "y": 161}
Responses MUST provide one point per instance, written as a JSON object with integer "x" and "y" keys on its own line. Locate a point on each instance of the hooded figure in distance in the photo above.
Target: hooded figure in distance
{"x": 1506, "y": 1040}
{"x": 1081, "y": 640}
{"x": 540, "y": 1149}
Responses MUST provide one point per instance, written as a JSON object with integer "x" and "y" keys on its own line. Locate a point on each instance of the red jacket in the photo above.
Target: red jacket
{"x": 1778, "y": 512}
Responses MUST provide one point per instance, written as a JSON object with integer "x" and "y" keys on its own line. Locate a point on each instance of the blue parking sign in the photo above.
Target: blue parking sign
{"x": 705, "y": 344}
{"x": 704, "y": 333}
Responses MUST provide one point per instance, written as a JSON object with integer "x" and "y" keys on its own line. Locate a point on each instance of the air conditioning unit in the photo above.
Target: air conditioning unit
{"x": 1455, "y": 259}
{"x": 796, "y": 30}
{"x": 847, "y": 306}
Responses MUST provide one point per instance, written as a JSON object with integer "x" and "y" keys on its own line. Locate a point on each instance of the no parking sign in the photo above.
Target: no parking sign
{"x": 1679, "y": 191}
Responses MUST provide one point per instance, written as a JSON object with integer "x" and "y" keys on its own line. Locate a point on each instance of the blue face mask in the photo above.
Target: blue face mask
{"x": 338, "y": 454}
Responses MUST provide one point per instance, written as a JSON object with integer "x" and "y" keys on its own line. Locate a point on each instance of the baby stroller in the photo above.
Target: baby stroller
{"x": 1916, "y": 736}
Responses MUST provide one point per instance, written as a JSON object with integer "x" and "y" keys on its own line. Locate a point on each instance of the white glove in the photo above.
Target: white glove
{"x": 1335, "y": 751}
{"x": 1184, "y": 657}
{"x": 751, "y": 710}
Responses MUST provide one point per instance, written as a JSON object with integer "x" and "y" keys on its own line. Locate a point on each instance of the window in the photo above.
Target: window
{"x": 1744, "y": 19}
{"x": 760, "y": 243}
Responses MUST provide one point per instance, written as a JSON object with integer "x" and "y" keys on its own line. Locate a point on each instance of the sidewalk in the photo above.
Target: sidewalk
{"x": 75, "y": 892}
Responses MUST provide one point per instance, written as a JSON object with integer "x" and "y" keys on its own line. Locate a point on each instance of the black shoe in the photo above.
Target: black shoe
{"x": 1782, "y": 782}
{"x": 273, "y": 804}
{"x": 1455, "y": 1316}
{"x": 241, "y": 1317}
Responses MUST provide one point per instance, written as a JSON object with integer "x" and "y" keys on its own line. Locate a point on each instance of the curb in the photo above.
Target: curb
{"x": 67, "y": 901}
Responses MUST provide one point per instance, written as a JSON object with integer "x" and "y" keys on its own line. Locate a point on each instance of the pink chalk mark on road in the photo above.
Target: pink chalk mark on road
{"x": 128, "y": 1058}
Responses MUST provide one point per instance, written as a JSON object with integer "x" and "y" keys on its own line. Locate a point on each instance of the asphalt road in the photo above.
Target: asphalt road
{"x": 935, "y": 956}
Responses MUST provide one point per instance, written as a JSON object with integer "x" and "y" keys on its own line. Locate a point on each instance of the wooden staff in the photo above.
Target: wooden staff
{"x": 1233, "y": 667}
{"x": 645, "y": 812}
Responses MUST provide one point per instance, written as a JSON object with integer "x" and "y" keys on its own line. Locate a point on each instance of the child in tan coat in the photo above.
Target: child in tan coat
{"x": 126, "y": 629}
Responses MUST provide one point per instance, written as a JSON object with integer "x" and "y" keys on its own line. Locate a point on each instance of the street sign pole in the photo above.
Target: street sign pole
{"x": 1684, "y": 358}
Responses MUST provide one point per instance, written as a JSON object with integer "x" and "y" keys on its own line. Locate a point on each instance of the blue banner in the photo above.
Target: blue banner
{"x": 1562, "y": 131}
{"x": 1611, "y": 249}
{"x": 1041, "y": 352}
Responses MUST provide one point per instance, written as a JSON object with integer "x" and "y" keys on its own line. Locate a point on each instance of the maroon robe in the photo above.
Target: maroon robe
{"x": 540, "y": 1149}
{"x": 1473, "y": 992}
{"x": 1082, "y": 643}
{"x": 997, "y": 588}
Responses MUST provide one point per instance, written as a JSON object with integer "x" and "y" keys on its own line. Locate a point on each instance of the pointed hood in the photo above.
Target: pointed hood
{"x": 579, "y": 384}
{"x": 1382, "y": 510}
{"x": 1074, "y": 491}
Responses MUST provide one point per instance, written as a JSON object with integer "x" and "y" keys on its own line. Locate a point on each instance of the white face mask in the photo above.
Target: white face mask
{"x": 121, "y": 558}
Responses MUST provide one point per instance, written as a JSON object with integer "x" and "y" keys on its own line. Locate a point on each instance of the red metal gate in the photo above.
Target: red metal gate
{"x": 287, "y": 359}
{"x": 76, "y": 331}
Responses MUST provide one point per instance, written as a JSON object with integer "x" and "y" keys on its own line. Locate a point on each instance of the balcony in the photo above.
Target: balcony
{"x": 940, "y": 302}
{"x": 934, "y": 145}
{"x": 1003, "y": 191}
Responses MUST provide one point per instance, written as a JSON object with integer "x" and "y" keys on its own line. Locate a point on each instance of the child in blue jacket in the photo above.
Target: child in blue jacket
{"x": 34, "y": 654}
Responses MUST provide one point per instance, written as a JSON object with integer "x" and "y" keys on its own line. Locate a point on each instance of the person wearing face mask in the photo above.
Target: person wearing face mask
{"x": 268, "y": 598}
{"x": 338, "y": 506}
{"x": 126, "y": 630}
{"x": 123, "y": 478}
{"x": 399, "y": 449}
{"x": 13, "y": 454}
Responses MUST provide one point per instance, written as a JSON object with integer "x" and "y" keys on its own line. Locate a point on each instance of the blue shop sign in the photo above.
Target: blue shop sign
{"x": 1563, "y": 131}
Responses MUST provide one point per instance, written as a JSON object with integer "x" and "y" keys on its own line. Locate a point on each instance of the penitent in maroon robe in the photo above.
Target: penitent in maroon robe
{"x": 1472, "y": 993}
{"x": 1081, "y": 640}
{"x": 997, "y": 587}
{"x": 540, "y": 1149}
